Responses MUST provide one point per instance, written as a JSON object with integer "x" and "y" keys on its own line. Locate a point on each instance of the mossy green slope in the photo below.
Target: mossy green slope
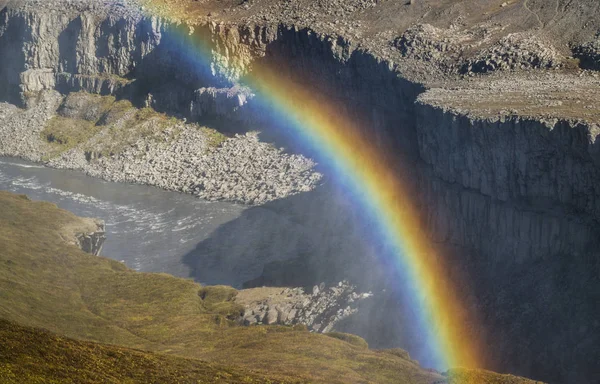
{"x": 480, "y": 376}
{"x": 33, "y": 355}
{"x": 47, "y": 283}
{"x": 103, "y": 126}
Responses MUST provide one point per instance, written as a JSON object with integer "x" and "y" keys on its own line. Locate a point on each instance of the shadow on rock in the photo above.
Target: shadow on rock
{"x": 301, "y": 240}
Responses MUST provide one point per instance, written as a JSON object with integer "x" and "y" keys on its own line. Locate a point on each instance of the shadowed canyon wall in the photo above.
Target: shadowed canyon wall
{"x": 513, "y": 203}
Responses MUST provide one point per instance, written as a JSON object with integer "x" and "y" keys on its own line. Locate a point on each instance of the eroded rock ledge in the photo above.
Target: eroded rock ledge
{"x": 319, "y": 310}
{"x": 92, "y": 242}
{"x": 86, "y": 233}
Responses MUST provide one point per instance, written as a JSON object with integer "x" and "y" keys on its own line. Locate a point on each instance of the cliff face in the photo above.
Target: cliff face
{"x": 97, "y": 49}
{"x": 91, "y": 242}
{"x": 531, "y": 186}
{"x": 51, "y": 47}
{"x": 514, "y": 201}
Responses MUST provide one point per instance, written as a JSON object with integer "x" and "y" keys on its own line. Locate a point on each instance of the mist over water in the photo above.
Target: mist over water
{"x": 148, "y": 229}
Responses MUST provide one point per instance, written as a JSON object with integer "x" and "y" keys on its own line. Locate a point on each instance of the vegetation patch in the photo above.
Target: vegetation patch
{"x": 214, "y": 138}
{"x": 31, "y": 355}
{"x": 76, "y": 122}
{"x": 480, "y": 376}
{"x": 349, "y": 338}
{"x": 47, "y": 283}
{"x": 102, "y": 126}
{"x": 125, "y": 125}
{"x": 219, "y": 299}
{"x": 63, "y": 133}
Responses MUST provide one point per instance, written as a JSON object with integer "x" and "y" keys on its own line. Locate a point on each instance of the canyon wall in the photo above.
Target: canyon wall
{"x": 103, "y": 48}
{"x": 513, "y": 203}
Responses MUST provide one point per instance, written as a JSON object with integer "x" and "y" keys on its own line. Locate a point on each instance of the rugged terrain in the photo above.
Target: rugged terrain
{"x": 320, "y": 310}
{"x": 47, "y": 282}
{"x": 115, "y": 141}
{"x": 490, "y": 106}
{"x": 97, "y": 310}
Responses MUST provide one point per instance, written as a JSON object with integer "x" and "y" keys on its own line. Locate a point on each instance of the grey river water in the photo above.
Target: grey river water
{"x": 148, "y": 229}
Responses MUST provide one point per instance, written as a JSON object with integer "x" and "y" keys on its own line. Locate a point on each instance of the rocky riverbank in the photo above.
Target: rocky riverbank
{"x": 115, "y": 141}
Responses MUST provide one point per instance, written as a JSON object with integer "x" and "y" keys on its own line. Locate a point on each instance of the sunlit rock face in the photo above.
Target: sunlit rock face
{"x": 514, "y": 203}
{"x": 319, "y": 308}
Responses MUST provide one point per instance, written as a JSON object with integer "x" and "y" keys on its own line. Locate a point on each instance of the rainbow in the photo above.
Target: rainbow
{"x": 375, "y": 180}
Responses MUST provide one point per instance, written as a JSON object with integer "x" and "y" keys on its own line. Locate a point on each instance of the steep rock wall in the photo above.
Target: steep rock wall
{"x": 100, "y": 51}
{"x": 515, "y": 202}
{"x": 531, "y": 186}
{"x": 513, "y": 158}
{"x": 47, "y": 47}
{"x": 511, "y": 201}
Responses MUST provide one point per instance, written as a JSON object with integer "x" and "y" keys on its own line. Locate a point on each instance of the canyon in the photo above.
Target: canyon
{"x": 503, "y": 166}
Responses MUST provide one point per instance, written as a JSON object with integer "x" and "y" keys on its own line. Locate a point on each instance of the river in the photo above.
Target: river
{"x": 148, "y": 229}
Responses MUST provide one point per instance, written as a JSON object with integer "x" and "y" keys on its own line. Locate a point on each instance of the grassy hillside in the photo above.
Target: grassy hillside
{"x": 47, "y": 283}
{"x": 471, "y": 376}
{"x": 181, "y": 331}
{"x": 32, "y": 355}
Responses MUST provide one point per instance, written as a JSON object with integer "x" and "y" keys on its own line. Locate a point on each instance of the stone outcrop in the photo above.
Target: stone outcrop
{"x": 589, "y": 53}
{"x": 218, "y": 102}
{"x": 455, "y": 50}
{"x": 513, "y": 52}
{"x": 424, "y": 42}
{"x": 75, "y": 45}
{"x": 91, "y": 242}
{"x": 86, "y": 233}
{"x": 319, "y": 310}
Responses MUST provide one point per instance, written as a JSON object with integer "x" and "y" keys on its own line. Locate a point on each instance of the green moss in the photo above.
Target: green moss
{"x": 124, "y": 125}
{"x": 31, "y": 355}
{"x": 62, "y": 134}
{"x": 219, "y": 299}
{"x": 480, "y": 376}
{"x": 214, "y": 137}
{"x": 76, "y": 123}
{"x": 349, "y": 338}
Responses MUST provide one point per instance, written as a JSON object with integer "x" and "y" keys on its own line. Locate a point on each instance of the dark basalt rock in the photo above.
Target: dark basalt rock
{"x": 91, "y": 242}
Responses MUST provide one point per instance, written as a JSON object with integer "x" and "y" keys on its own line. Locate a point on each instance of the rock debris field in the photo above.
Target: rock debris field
{"x": 319, "y": 310}
{"x": 168, "y": 154}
